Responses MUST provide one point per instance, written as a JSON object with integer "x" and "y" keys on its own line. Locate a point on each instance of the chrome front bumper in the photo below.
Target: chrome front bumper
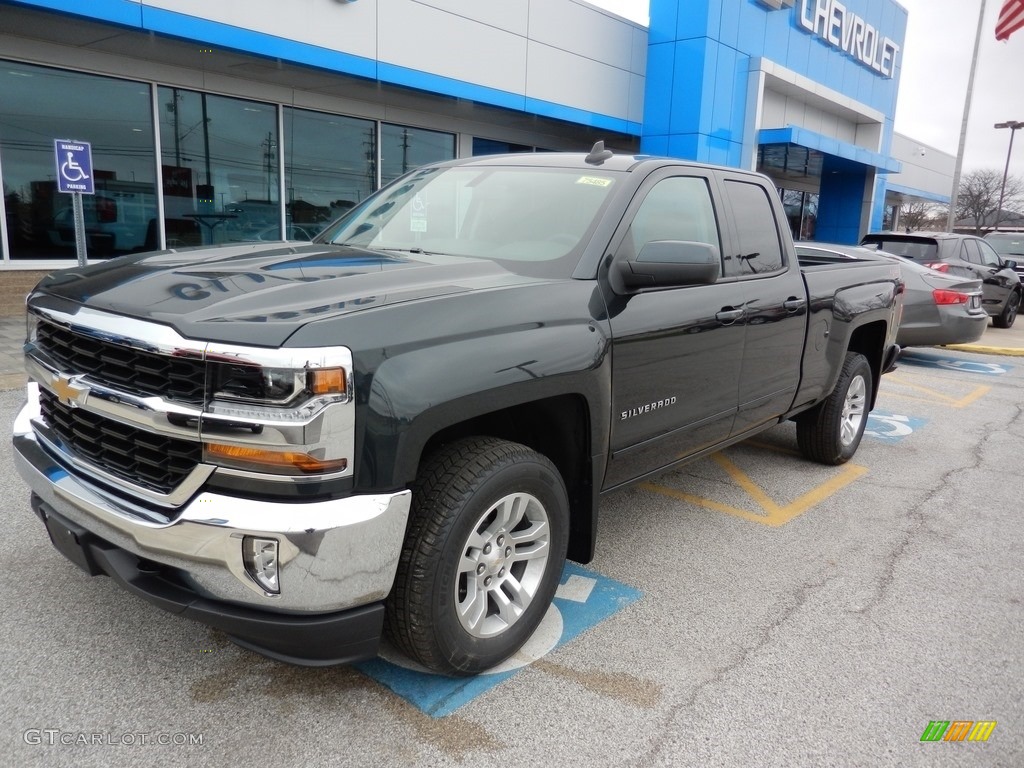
{"x": 333, "y": 555}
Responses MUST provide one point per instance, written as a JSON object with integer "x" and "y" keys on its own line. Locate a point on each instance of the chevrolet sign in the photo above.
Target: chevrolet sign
{"x": 841, "y": 28}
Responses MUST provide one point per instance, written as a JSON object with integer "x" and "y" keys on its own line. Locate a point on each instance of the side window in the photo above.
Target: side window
{"x": 760, "y": 248}
{"x": 969, "y": 252}
{"x": 677, "y": 208}
{"x": 989, "y": 257}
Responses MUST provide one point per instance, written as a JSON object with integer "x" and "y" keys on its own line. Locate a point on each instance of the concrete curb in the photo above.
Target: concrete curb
{"x": 984, "y": 350}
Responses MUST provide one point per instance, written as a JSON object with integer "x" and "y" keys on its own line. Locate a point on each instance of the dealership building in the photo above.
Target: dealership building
{"x": 217, "y": 122}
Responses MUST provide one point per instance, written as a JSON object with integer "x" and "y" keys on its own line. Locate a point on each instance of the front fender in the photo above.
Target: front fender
{"x": 423, "y": 392}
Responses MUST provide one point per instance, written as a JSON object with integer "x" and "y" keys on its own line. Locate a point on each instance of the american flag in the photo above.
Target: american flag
{"x": 1011, "y": 18}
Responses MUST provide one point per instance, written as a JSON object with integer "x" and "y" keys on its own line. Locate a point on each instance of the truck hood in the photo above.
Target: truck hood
{"x": 262, "y": 293}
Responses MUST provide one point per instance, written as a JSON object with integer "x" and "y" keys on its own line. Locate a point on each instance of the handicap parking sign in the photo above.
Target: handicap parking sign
{"x": 74, "y": 166}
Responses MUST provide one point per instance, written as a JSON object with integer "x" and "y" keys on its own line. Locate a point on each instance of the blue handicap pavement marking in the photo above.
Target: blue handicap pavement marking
{"x": 891, "y": 427}
{"x": 583, "y": 600}
{"x": 954, "y": 363}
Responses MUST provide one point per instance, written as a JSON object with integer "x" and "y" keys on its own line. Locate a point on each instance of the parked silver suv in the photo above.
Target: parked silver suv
{"x": 963, "y": 255}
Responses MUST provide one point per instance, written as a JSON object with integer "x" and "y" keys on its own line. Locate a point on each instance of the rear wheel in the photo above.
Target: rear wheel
{"x": 831, "y": 432}
{"x": 1009, "y": 314}
{"x": 482, "y": 558}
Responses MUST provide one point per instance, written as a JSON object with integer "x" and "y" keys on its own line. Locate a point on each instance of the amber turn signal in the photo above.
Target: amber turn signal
{"x": 326, "y": 381}
{"x": 274, "y": 459}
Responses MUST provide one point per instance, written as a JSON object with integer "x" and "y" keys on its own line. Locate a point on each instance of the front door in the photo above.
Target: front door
{"x": 676, "y": 352}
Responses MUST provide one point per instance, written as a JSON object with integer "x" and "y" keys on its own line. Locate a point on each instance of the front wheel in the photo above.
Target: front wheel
{"x": 1009, "y": 314}
{"x": 831, "y": 432}
{"x": 482, "y": 557}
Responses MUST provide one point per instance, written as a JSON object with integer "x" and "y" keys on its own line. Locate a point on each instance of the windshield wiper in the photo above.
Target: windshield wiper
{"x": 417, "y": 251}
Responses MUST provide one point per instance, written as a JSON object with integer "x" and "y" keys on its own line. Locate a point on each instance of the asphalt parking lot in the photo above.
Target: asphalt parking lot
{"x": 757, "y": 610}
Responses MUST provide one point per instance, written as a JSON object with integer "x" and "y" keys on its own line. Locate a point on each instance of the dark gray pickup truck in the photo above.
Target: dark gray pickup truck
{"x": 408, "y": 423}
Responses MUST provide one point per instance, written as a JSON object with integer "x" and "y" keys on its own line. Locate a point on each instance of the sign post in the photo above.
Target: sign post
{"x": 74, "y": 177}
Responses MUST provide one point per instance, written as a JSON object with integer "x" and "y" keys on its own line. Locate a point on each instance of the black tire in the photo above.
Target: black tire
{"x": 451, "y": 599}
{"x": 1009, "y": 314}
{"x": 831, "y": 432}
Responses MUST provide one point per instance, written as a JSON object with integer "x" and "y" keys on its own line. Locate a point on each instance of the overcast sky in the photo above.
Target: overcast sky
{"x": 933, "y": 84}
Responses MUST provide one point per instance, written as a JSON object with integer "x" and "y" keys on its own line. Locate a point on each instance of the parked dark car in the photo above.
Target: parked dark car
{"x": 963, "y": 255}
{"x": 938, "y": 308}
{"x": 1009, "y": 245}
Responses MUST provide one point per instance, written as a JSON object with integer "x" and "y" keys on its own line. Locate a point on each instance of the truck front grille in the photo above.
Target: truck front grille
{"x": 155, "y": 462}
{"x": 131, "y": 370}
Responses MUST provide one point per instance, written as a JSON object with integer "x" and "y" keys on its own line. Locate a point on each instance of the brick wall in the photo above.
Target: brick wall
{"x": 13, "y": 287}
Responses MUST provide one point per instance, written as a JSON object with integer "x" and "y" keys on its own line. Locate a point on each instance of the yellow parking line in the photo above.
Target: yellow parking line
{"x": 972, "y": 396}
{"x": 743, "y": 481}
{"x": 772, "y": 513}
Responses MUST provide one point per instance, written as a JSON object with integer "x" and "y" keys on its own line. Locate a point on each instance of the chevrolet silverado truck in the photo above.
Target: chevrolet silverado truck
{"x": 405, "y": 426}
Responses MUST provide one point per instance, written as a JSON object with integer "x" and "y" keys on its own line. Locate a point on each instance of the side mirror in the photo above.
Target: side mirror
{"x": 1010, "y": 264}
{"x": 670, "y": 263}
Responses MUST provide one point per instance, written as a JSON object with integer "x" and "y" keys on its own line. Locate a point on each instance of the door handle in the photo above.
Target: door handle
{"x": 792, "y": 304}
{"x": 729, "y": 315}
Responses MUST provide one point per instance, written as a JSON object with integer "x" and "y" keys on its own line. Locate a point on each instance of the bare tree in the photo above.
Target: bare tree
{"x": 978, "y": 199}
{"x": 919, "y": 214}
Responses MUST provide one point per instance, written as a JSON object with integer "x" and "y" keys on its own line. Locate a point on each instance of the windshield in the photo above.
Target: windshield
{"x": 534, "y": 221}
{"x": 1008, "y": 244}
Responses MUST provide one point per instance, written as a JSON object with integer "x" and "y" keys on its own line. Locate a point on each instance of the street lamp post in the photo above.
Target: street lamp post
{"x": 1013, "y": 125}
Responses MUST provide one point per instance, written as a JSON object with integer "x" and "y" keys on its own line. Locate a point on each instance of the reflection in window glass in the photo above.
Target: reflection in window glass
{"x": 38, "y": 105}
{"x": 801, "y": 211}
{"x": 330, "y": 166}
{"x": 760, "y": 250}
{"x": 403, "y": 148}
{"x": 678, "y": 208}
{"x": 220, "y": 170}
{"x": 534, "y": 221}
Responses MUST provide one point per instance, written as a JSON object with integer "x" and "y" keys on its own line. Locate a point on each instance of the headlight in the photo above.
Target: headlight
{"x": 274, "y": 386}
{"x": 279, "y": 412}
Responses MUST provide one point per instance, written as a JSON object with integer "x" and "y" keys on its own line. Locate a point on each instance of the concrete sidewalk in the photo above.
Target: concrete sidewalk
{"x": 995, "y": 341}
{"x": 12, "y": 336}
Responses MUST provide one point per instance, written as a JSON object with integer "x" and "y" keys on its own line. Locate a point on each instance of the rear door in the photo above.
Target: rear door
{"x": 676, "y": 352}
{"x": 776, "y": 301}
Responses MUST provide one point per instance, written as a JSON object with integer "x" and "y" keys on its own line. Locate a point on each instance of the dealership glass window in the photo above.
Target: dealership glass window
{"x": 890, "y": 217}
{"x": 41, "y": 104}
{"x": 329, "y": 166}
{"x": 219, "y": 158}
{"x": 801, "y": 211}
{"x": 493, "y": 147}
{"x": 403, "y": 148}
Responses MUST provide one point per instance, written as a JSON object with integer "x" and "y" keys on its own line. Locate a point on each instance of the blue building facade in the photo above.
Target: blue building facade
{"x": 803, "y": 90}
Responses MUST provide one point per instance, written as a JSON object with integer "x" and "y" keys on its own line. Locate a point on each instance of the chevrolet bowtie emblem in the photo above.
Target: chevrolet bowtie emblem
{"x": 67, "y": 391}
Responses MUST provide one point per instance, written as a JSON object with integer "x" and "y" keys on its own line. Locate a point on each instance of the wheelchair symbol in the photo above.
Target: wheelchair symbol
{"x": 71, "y": 170}
{"x": 891, "y": 427}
